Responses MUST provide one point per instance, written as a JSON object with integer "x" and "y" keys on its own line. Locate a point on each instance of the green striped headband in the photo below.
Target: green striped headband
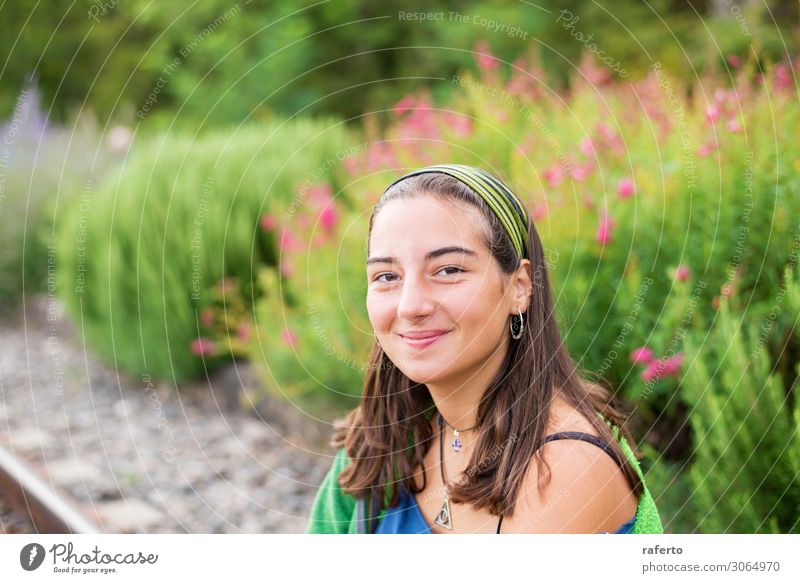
{"x": 504, "y": 203}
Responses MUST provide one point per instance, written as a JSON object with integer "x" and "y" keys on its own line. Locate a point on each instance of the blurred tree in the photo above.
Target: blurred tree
{"x": 221, "y": 61}
{"x": 81, "y": 59}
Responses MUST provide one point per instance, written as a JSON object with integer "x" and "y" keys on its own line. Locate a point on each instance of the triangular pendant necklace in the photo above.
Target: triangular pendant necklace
{"x": 445, "y": 518}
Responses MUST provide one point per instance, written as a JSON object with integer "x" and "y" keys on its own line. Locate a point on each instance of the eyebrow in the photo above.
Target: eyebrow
{"x": 430, "y": 255}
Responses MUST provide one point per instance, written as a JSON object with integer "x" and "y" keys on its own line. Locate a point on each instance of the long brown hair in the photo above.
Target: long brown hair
{"x": 388, "y": 435}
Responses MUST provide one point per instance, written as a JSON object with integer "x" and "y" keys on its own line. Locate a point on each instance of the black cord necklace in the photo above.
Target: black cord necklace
{"x": 445, "y": 518}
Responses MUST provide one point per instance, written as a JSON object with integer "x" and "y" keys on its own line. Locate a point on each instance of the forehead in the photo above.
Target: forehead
{"x": 414, "y": 226}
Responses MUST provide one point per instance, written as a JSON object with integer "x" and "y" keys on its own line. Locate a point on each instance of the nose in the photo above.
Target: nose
{"x": 416, "y": 299}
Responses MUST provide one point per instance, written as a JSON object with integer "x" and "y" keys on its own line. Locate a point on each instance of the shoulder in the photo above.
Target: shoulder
{"x": 585, "y": 491}
{"x": 332, "y": 509}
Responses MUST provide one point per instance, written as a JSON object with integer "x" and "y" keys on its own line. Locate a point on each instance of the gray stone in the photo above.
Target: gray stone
{"x": 128, "y": 515}
{"x": 71, "y": 471}
{"x": 30, "y": 439}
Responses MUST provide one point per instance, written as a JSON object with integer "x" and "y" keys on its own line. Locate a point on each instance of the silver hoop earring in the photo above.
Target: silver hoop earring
{"x": 517, "y": 325}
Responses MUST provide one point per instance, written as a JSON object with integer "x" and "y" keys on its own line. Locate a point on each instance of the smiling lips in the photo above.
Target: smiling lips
{"x": 423, "y": 339}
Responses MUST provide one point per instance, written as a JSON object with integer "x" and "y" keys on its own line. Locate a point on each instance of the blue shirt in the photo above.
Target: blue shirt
{"x": 407, "y": 518}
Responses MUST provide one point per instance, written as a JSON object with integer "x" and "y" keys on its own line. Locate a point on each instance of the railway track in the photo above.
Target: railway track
{"x": 127, "y": 455}
{"x": 47, "y": 509}
{"x": 11, "y": 521}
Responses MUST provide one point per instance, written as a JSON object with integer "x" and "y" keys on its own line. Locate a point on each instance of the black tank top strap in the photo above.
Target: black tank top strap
{"x": 588, "y": 437}
{"x": 593, "y": 439}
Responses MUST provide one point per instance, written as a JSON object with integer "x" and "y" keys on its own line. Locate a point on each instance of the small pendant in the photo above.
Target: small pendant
{"x": 443, "y": 518}
{"x": 456, "y": 444}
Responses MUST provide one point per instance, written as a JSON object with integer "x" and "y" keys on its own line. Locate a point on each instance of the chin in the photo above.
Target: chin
{"x": 423, "y": 374}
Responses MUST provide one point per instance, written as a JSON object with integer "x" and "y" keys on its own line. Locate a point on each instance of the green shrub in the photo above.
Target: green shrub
{"x": 145, "y": 251}
{"x": 661, "y": 211}
{"x": 745, "y": 471}
{"x": 314, "y": 336}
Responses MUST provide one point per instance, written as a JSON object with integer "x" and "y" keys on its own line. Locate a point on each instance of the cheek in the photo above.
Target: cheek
{"x": 379, "y": 312}
{"x": 472, "y": 304}
{"x": 482, "y": 312}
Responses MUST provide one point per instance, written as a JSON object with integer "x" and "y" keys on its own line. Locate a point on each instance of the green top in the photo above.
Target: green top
{"x": 334, "y": 512}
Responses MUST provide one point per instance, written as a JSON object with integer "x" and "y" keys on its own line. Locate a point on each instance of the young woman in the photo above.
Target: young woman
{"x": 474, "y": 418}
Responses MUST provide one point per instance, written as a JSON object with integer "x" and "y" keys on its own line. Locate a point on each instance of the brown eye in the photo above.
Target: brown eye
{"x": 380, "y": 275}
{"x": 458, "y": 269}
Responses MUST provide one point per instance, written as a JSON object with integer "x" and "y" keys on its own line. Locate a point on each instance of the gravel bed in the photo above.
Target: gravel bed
{"x": 141, "y": 455}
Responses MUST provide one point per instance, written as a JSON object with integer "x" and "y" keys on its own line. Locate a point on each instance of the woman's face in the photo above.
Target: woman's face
{"x": 415, "y": 287}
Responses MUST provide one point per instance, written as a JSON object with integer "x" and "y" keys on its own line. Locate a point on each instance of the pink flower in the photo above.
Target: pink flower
{"x": 524, "y": 79}
{"x": 734, "y": 126}
{"x": 420, "y": 123}
{"x": 351, "y": 165}
{"x": 329, "y": 217}
{"x": 706, "y": 149}
{"x": 664, "y": 367}
{"x": 540, "y": 211}
{"x": 484, "y": 58}
{"x": 672, "y": 365}
{"x": 206, "y": 317}
{"x": 402, "y": 106}
{"x": 527, "y": 145}
{"x": 268, "y": 222}
{"x": 595, "y": 75}
{"x": 288, "y": 241}
{"x": 303, "y": 220}
{"x": 582, "y": 172}
{"x": 587, "y": 147}
{"x": 289, "y": 337}
{"x": 517, "y": 85}
{"x": 243, "y": 331}
{"x": 606, "y": 132}
{"x": 287, "y": 267}
{"x": 203, "y": 347}
{"x": 460, "y": 124}
{"x": 380, "y": 156}
{"x": 712, "y": 113}
{"x": 604, "y": 229}
{"x": 320, "y": 194}
{"x": 650, "y": 374}
{"x": 783, "y": 80}
{"x": 734, "y": 60}
{"x": 642, "y": 355}
{"x": 625, "y": 188}
{"x": 609, "y": 137}
{"x": 682, "y": 272}
{"x": 501, "y": 115}
{"x": 554, "y": 176}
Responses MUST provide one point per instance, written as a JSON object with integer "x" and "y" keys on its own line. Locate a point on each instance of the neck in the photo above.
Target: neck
{"x": 458, "y": 399}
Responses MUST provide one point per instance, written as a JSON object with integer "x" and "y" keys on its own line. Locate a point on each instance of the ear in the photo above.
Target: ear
{"x": 522, "y": 284}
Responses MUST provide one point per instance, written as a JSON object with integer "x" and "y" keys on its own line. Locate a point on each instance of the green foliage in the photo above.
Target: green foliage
{"x": 745, "y": 472}
{"x": 669, "y": 488}
{"x": 142, "y": 254}
{"x": 666, "y": 218}
{"x": 243, "y": 60}
{"x": 314, "y": 336}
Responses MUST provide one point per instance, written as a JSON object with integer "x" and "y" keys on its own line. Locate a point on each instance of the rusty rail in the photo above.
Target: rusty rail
{"x": 52, "y": 511}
